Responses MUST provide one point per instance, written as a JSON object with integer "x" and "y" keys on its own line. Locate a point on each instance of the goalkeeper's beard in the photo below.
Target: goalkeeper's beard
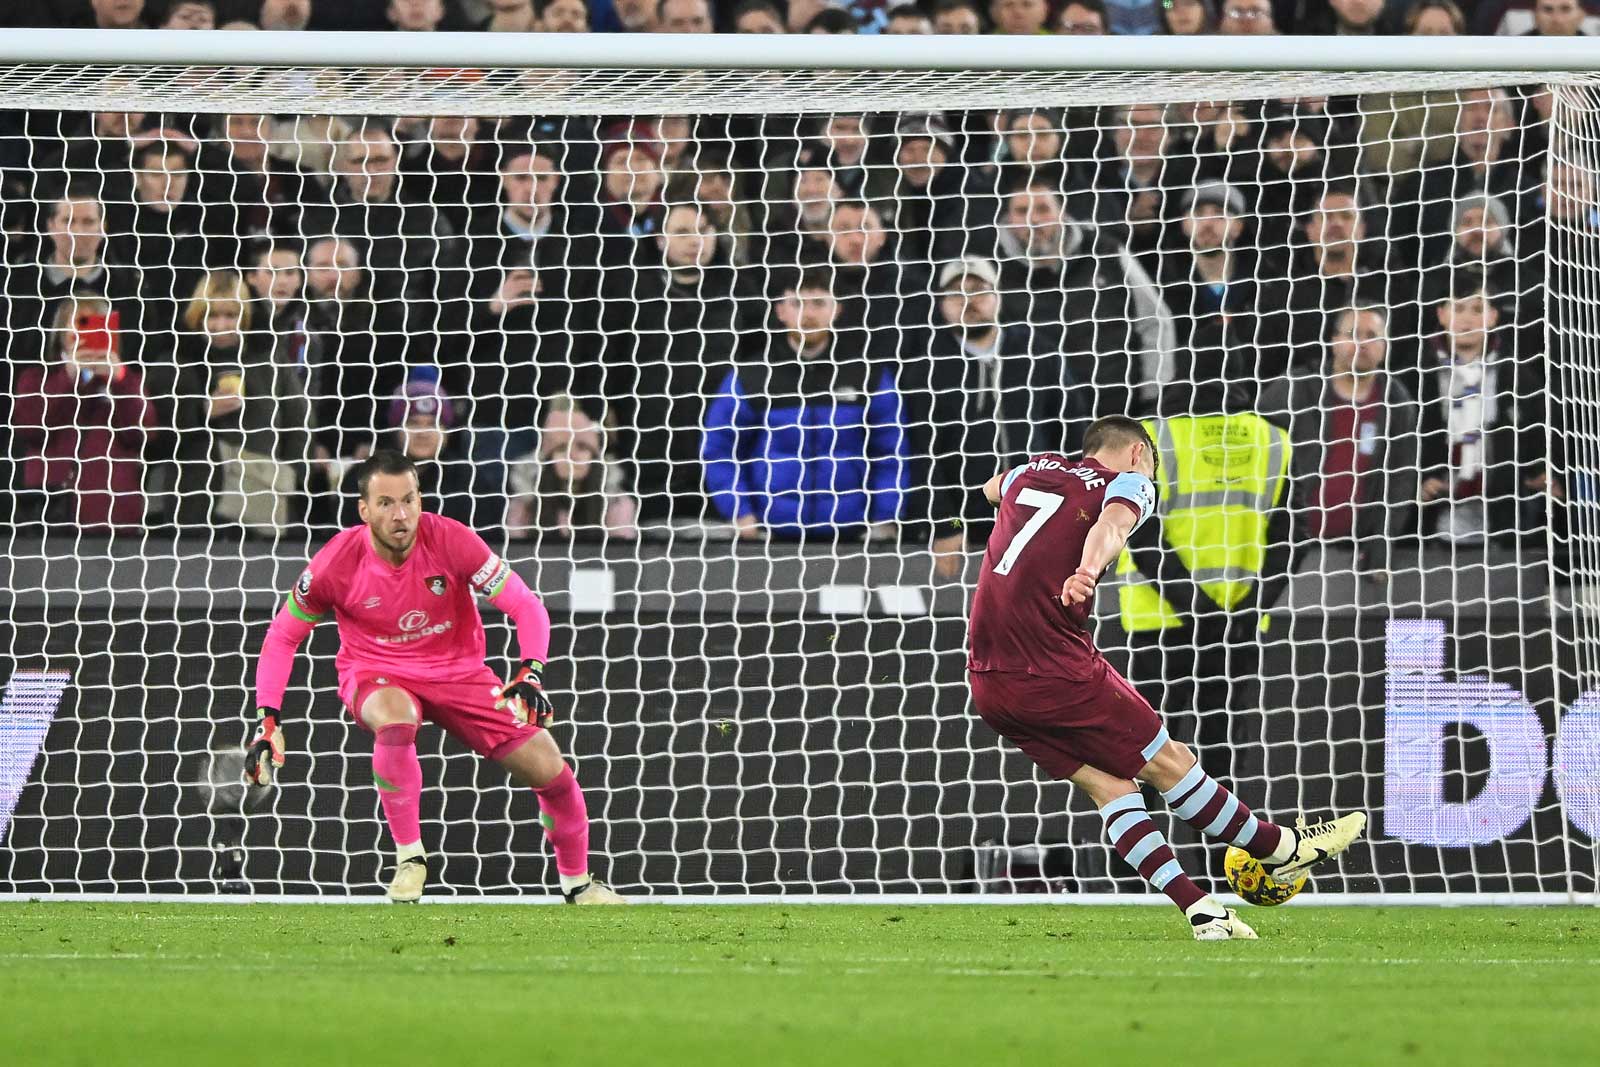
{"x": 398, "y": 541}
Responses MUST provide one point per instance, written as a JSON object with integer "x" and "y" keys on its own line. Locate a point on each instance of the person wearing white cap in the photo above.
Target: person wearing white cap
{"x": 980, "y": 400}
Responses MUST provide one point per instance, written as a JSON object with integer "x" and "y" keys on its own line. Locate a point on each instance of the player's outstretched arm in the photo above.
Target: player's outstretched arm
{"x": 265, "y": 753}
{"x": 523, "y": 692}
{"x": 1103, "y": 545}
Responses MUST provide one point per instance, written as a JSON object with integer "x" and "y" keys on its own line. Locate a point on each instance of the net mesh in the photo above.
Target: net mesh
{"x": 725, "y": 380}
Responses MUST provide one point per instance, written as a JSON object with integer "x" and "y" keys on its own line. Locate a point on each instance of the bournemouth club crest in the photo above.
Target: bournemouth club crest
{"x": 436, "y": 585}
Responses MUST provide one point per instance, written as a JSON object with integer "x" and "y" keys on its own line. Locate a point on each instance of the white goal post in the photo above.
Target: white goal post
{"x": 626, "y": 293}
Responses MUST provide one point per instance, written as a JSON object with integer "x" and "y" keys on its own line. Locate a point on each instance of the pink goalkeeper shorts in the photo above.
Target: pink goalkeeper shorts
{"x": 464, "y": 707}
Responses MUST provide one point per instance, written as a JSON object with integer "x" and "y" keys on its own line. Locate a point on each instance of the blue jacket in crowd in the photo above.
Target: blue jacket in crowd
{"x": 807, "y": 445}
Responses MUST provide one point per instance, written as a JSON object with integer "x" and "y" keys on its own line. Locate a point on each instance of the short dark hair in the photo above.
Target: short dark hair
{"x": 1096, "y": 6}
{"x": 832, "y": 20}
{"x": 383, "y": 461}
{"x": 1115, "y": 431}
{"x": 940, "y": 6}
{"x": 905, "y": 11}
{"x": 808, "y": 279}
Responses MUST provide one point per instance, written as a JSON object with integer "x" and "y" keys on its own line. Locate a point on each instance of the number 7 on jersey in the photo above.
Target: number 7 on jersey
{"x": 1047, "y": 504}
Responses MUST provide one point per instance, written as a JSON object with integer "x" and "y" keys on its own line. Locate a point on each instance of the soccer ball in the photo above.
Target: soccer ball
{"x": 1253, "y": 884}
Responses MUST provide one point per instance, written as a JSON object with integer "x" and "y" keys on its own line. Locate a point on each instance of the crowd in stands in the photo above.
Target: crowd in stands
{"x": 819, "y": 326}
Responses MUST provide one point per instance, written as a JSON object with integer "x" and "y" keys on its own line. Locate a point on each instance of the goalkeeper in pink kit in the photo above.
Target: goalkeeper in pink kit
{"x": 411, "y": 647}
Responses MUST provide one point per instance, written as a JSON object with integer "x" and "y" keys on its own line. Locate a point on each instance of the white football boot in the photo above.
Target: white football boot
{"x": 410, "y": 875}
{"x": 594, "y": 891}
{"x": 1315, "y": 843}
{"x": 1213, "y": 927}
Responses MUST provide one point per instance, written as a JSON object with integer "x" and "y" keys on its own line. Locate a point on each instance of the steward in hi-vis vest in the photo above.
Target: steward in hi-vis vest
{"x": 1195, "y": 581}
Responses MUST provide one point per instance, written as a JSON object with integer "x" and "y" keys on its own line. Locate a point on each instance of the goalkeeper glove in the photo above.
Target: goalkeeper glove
{"x": 524, "y": 694}
{"x": 264, "y": 754}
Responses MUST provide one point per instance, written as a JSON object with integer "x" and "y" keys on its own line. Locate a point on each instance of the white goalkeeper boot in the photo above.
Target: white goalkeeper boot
{"x": 410, "y": 875}
{"x": 1209, "y": 926}
{"x": 594, "y": 891}
{"x": 1316, "y": 842}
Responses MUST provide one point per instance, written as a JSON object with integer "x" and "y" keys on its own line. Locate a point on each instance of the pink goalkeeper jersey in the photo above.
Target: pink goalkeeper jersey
{"x": 417, "y": 620}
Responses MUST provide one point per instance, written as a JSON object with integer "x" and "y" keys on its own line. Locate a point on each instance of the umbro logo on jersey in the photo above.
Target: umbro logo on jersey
{"x": 436, "y": 585}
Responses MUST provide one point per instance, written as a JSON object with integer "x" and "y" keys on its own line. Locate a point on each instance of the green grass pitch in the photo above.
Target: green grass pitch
{"x": 175, "y": 984}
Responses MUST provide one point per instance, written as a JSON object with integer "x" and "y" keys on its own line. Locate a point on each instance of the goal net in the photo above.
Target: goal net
{"x": 721, "y": 357}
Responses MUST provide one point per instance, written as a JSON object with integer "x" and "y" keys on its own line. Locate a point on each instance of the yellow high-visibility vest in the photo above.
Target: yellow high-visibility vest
{"x": 1220, "y": 478}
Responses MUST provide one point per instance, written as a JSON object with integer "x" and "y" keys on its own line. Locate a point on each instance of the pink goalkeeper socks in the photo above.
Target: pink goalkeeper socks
{"x": 398, "y": 775}
{"x": 566, "y": 822}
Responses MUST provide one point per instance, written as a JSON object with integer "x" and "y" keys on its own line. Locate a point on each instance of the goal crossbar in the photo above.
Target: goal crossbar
{"x": 592, "y": 74}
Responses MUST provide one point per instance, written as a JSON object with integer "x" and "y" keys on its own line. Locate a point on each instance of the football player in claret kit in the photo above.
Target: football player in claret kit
{"x": 1039, "y": 681}
{"x": 411, "y": 647}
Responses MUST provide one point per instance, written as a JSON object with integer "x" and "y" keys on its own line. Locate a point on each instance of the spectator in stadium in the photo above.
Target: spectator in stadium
{"x": 1482, "y": 240}
{"x": 1296, "y": 167}
{"x": 415, "y": 16}
{"x": 800, "y": 232}
{"x": 1227, "y": 133}
{"x": 1018, "y": 16}
{"x": 420, "y": 420}
{"x": 1355, "y": 443}
{"x": 1435, "y": 18}
{"x": 246, "y": 192}
{"x": 1247, "y": 18}
{"x": 284, "y": 14}
{"x": 534, "y": 288}
{"x": 1084, "y": 295}
{"x": 243, "y": 417}
{"x": 511, "y": 16}
{"x": 570, "y": 488}
{"x": 72, "y": 258}
{"x": 629, "y": 203}
{"x": 1213, "y": 278}
{"x": 926, "y": 203}
{"x": 117, "y": 15}
{"x": 1031, "y": 146}
{"x": 832, "y": 20}
{"x": 1081, "y": 18}
{"x": 345, "y": 329}
{"x": 801, "y": 12}
{"x": 158, "y": 236}
{"x": 276, "y": 277}
{"x": 563, "y": 16}
{"x": 633, "y": 16}
{"x": 413, "y": 256}
{"x": 978, "y": 400}
{"x": 1566, "y": 201}
{"x": 443, "y": 165}
{"x": 957, "y": 17}
{"x": 907, "y": 19}
{"x": 757, "y": 16}
{"x": 1485, "y": 163}
{"x": 714, "y": 189}
{"x": 81, "y": 426}
{"x": 1476, "y": 439}
{"x": 804, "y": 437}
{"x": 882, "y": 296}
{"x": 683, "y": 16}
{"x": 670, "y": 334}
{"x": 1324, "y": 276}
{"x": 1186, "y": 18}
{"x": 190, "y": 15}
{"x": 1347, "y": 18}
{"x": 1557, "y": 18}
{"x": 844, "y": 141}
{"x": 1146, "y": 168}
